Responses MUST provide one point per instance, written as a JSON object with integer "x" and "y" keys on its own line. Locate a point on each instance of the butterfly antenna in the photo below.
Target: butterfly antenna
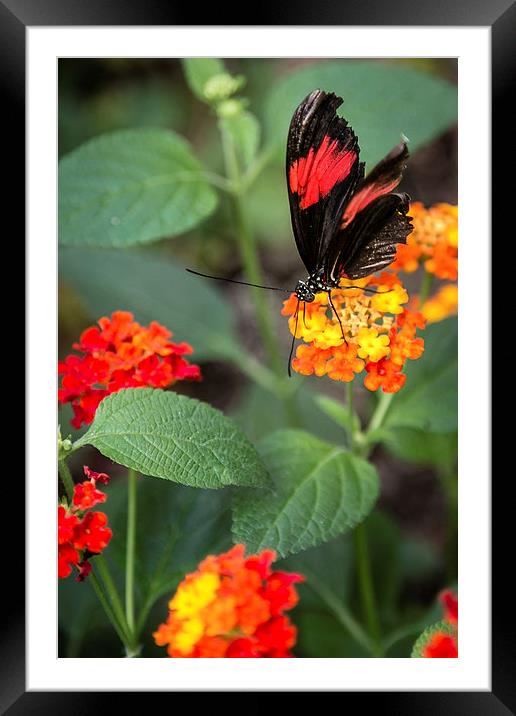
{"x": 242, "y": 283}
{"x": 293, "y": 341}
{"x": 365, "y": 289}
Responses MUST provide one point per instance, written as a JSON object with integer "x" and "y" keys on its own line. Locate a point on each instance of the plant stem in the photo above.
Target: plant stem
{"x": 253, "y": 271}
{"x": 109, "y": 600}
{"x": 119, "y": 628}
{"x": 365, "y": 581}
{"x": 111, "y": 589}
{"x": 426, "y": 285}
{"x": 385, "y": 399}
{"x": 66, "y": 477}
{"x": 257, "y": 167}
{"x": 359, "y": 446}
{"x": 130, "y": 547}
{"x": 340, "y": 611}
{"x": 349, "y": 400}
{"x": 218, "y": 181}
{"x": 366, "y": 588}
{"x": 380, "y": 411}
{"x": 248, "y": 251}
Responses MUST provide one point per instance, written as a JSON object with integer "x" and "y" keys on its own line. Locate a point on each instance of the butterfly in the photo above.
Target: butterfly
{"x": 346, "y": 224}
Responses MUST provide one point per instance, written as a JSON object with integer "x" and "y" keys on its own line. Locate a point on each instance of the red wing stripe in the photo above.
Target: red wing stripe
{"x": 365, "y": 196}
{"x": 315, "y": 175}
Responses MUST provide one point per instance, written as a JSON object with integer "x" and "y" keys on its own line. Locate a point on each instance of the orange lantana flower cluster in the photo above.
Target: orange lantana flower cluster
{"x": 379, "y": 332}
{"x": 232, "y": 606}
{"x": 432, "y": 242}
{"x": 81, "y": 534}
{"x": 120, "y": 353}
{"x": 443, "y": 642}
{"x": 442, "y": 304}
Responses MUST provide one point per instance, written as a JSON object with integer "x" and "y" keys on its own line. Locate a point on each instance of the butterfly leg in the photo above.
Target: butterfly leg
{"x": 304, "y": 314}
{"x": 337, "y": 316}
{"x": 293, "y": 340}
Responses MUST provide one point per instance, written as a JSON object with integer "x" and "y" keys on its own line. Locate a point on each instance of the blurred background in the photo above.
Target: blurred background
{"x": 412, "y": 533}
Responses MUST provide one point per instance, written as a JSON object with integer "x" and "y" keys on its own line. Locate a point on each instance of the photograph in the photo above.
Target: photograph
{"x": 257, "y": 357}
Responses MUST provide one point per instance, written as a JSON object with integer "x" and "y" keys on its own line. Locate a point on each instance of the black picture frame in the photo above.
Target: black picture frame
{"x": 500, "y": 15}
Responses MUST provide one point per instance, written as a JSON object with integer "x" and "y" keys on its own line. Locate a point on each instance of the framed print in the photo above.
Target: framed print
{"x": 273, "y": 399}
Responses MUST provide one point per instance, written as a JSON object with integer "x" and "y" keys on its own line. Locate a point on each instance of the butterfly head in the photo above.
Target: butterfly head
{"x": 304, "y": 292}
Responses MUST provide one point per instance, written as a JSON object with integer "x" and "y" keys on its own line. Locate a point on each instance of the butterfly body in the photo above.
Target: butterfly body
{"x": 315, "y": 283}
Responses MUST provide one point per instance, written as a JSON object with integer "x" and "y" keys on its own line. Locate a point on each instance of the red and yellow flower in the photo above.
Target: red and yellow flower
{"x": 433, "y": 241}
{"x": 82, "y": 534}
{"x": 232, "y": 606}
{"x": 379, "y": 332}
{"x": 120, "y": 353}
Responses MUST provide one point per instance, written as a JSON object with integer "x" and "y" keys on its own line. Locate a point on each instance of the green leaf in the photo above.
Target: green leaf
{"x": 429, "y": 398}
{"x": 174, "y": 437}
{"x": 153, "y": 289}
{"x": 381, "y": 101}
{"x": 244, "y": 130}
{"x": 198, "y": 70}
{"x": 321, "y": 491}
{"x": 131, "y": 187}
{"x": 426, "y": 636}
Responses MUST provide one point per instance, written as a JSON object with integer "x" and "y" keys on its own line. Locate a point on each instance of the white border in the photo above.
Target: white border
{"x": 472, "y": 670}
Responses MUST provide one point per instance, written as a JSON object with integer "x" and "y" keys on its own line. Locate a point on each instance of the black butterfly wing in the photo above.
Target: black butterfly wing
{"x": 368, "y": 243}
{"x": 323, "y": 170}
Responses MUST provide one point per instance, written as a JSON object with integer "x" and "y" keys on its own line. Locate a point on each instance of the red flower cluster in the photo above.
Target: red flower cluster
{"x": 82, "y": 534}
{"x": 120, "y": 354}
{"x": 232, "y": 607}
{"x": 443, "y": 642}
